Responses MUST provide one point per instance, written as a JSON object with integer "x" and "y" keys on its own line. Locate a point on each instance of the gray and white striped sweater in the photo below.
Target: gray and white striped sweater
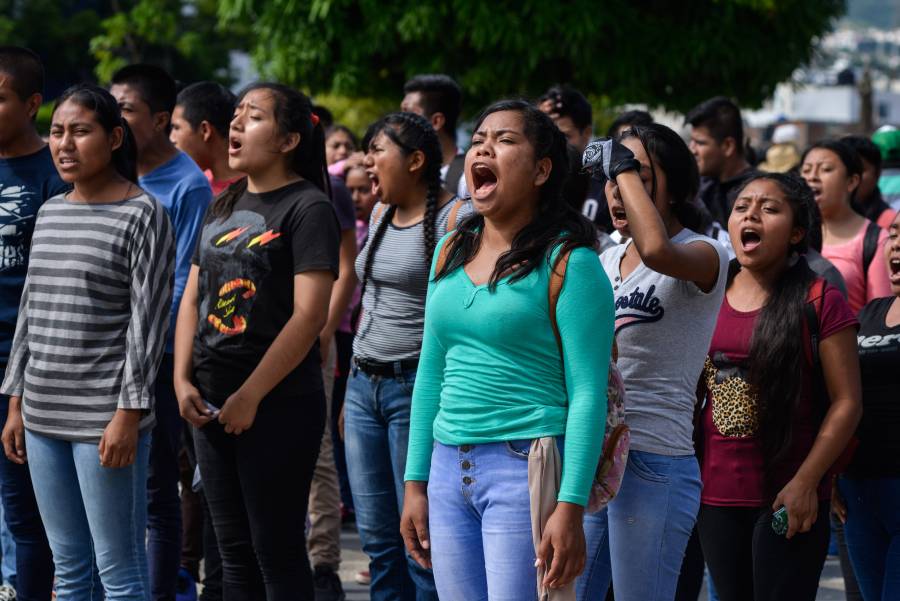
{"x": 93, "y": 316}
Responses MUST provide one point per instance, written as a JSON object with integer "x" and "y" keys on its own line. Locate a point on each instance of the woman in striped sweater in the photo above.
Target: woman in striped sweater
{"x": 89, "y": 339}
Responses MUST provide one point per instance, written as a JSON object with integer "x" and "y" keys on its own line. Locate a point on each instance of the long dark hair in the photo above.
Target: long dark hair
{"x": 556, "y": 223}
{"x": 777, "y": 349}
{"x": 293, "y": 114}
{"x": 411, "y": 133}
{"x": 667, "y": 150}
{"x": 109, "y": 116}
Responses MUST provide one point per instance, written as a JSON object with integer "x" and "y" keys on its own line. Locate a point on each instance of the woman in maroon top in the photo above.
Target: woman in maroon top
{"x": 767, "y": 439}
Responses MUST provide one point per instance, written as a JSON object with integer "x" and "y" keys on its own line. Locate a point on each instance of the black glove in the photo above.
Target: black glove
{"x": 607, "y": 158}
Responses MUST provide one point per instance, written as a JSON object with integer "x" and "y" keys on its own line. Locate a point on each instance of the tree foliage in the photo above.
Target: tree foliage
{"x": 58, "y": 30}
{"x": 182, "y": 36}
{"x": 672, "y": 54}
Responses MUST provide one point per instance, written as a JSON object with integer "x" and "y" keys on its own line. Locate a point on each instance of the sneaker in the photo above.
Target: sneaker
{"x": 363, "y": 577}
{"x": 185, "y": 586}
{"x": 327, "y": 585}
{"x": 7, "y": 593}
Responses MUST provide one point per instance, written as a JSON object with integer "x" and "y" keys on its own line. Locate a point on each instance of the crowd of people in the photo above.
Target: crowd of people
{"x": 228, "y": 327}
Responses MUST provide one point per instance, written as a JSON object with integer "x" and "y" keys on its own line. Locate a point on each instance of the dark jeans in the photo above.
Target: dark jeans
{"x": 851, "y": 586}
{"x": 199, "y": 539}
{"x": 163, "y": 504}
{"x": 344, "y": 343}
{"x": 748, "y": 561}
{"x": 257, "y": 487}
{"x": 873, "y": 534}
{"x": 34, "y": 562}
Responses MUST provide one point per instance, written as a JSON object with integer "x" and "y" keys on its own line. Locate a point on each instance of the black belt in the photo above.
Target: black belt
{"x": 385, "y": 369}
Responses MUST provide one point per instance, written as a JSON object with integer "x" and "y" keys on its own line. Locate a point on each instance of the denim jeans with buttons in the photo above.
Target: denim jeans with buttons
{"x": 479, "y": 517}
{"x": 639, "y": 539}
{"x": 376, "y": 432}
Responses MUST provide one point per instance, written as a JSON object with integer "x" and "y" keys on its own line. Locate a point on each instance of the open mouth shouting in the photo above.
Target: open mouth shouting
{"x": 750, "y": 239}
{"x": 484, "y": 181}
{"x": 619, "y": 216}
{"x": 817, "y": 192}
{"x": 234, "y": 145}
{"x": 894, "y": 266}
{"x": 375, "y": 182}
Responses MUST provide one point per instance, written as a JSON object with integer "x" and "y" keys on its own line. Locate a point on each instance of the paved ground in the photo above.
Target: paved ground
{"x": 831, "y": 587}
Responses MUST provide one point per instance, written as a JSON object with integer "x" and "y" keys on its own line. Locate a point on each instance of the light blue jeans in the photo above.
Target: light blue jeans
{"x": 639, "y": 540}
{"x": 92, "y": 512}
{"x": 376, "y": 433}
{"x": 480, "y": 522}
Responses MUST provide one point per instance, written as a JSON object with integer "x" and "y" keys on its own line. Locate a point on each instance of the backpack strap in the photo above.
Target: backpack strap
{"x": 445, "y": 252}
{"x": 811, "y": 311}
{"x": 870, "y": 246}
{"x": 378, "y": 212}
{"x": 454, "y": 213}
{"x": 557, "y": 276}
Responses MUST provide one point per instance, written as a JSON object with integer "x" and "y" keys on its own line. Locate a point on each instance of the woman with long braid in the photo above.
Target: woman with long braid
{"x": 403, "y": 163}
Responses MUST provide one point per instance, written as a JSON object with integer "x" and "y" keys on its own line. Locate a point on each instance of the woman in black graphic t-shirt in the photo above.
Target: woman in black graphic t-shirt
{"x": 247, "y": 367}
{"x": 869, "y": 494}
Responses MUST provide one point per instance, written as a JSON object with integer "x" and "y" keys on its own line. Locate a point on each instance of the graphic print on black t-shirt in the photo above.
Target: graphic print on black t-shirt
{"x": 17, "y": 219}
{"x": 240, "y": 268}
{"x": 878, "y": 454}
{"x": 247, "y": 266}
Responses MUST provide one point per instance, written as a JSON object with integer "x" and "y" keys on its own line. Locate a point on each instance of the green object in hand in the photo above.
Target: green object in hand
{"x": 780, "y": 522}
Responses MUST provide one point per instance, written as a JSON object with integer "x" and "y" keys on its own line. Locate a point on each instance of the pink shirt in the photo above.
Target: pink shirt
{"x": 848, "y": 259}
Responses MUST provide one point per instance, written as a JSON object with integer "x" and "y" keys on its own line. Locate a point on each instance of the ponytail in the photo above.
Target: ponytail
{"x": 293, "y": 114}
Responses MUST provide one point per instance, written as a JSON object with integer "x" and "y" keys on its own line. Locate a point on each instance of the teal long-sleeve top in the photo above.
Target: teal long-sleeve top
{"x": 490, "y": 369}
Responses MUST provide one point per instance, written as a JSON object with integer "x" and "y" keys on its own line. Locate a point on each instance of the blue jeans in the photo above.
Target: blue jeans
{"x": 480, "y": 522}
{"x": 639, "y": 540}
{"x": 92, "y": 512}
{"x": 34, "y": 562}
{"x": 376, "y": 431}
{"x": 8, "y": 546}
{"x": 163, "y": 502}
{"x": 873, "y": 534}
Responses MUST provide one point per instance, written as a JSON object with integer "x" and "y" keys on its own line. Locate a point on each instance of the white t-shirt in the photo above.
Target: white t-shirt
{"x": 663, "y": 329}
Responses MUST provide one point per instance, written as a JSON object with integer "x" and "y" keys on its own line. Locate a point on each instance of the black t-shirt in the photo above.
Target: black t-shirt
{"x": 719, "y": 196}
{"x": 595, "y": 207}
{"x": 878, "y": 454}
{"x": 246, "y": 289}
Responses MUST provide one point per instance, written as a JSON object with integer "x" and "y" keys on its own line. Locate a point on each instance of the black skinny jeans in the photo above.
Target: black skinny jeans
{"x": 257, "y": 488}
{"x": 749, "y": 562}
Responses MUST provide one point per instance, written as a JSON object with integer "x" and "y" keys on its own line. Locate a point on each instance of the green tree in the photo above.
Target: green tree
{"x": 182, "y": 36}
{"x": 672, "y": 54}
{"x": 58, "y": 30}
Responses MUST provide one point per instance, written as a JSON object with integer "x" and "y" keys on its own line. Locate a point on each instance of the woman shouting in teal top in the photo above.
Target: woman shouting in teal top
{"x": 491, "y": 377}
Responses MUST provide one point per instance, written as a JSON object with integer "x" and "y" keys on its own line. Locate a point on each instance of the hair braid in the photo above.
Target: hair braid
{"x": 372, "y": 246}
{"x": 414, "y": 133}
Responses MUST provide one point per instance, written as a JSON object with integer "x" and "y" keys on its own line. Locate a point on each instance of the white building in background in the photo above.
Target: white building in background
{"x": 838, "y": 105}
